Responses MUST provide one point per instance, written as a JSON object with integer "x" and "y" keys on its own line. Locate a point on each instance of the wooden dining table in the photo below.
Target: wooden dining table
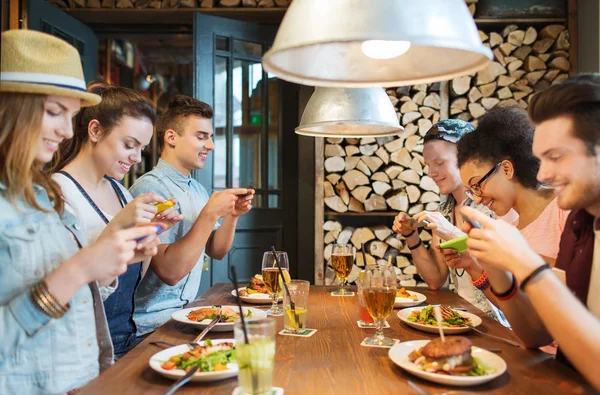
{"x": 332, "y": 361}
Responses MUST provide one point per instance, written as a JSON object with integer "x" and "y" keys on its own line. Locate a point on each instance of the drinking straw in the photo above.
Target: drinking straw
{"x": 287, "y": 290}
{"x": 362, "y": 247}
{"x": 239, "y": 302}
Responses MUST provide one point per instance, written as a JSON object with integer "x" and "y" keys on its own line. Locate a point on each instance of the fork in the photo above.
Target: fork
{"x": 507, "y": 341}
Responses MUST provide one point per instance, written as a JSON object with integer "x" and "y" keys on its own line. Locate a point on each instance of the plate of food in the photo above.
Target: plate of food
{"x": 203, "y": 315}
{"x": 255, "y": 292}
{"x": 406, "y": 298}
{"x": 454, "y": 362}
{"x": 215, "y": 359}
{"x": 453, "y": 321}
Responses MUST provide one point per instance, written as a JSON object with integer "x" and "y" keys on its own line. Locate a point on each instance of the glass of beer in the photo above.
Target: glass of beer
{"x": 379, "y": 293}
{"x": 255, "y": 359}
{"x": 342, "y": 259}
{"x": 295, "y": 320}
{"x": 364, "y": 317}
{"x": 272, "y": 279}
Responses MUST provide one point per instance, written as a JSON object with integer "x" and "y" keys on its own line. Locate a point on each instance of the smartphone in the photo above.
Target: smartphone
{"x": 459, "y": 244}
{"x": 414, "y": 224}
{"x": 158, "y": 229}
{"x": 163, "y": 206}
{"x": 470, "y": 203}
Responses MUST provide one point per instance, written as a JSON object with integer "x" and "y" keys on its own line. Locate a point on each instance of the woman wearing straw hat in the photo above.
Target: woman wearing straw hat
{"x": 108, "y": 139}
{"x": 54, "y": 333}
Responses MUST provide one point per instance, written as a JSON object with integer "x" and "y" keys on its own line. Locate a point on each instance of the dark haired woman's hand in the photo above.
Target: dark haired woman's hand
{"x": 140, "y": 210}
{"x": 456, "y": 260}
{"x": 169, "y": 217}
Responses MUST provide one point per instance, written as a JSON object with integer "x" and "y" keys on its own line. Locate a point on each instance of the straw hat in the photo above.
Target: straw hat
{"x": 34, "y": 62}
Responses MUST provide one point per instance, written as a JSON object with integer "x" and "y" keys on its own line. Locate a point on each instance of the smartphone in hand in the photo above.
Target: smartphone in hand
{"x": 470, "y": 203}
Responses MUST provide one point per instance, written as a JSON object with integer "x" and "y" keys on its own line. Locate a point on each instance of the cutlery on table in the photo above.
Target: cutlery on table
{"x": 197, "y": 340}
{"x": 507, "y": 341}
{"x": 182, "y": 381}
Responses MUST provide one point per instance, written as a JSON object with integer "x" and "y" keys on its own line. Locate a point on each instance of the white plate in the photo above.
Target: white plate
{"x": 157, "y": 360}
{"x": 406, "y": 302}
{"x": 405, "y": 313}
{"x": 181, "y": 316}
{"x": 399, "y": 355}
{"x": 256, "y": 298}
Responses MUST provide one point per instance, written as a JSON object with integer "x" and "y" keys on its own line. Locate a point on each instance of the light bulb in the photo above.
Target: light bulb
{"x": 383, "y": 49}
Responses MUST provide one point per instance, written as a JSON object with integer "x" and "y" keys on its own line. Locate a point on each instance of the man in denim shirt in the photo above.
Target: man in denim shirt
{"x": 185, "y": 133}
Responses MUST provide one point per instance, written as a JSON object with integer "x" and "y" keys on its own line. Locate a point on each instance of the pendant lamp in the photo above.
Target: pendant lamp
{"x": 349, "y": 112}
{"x": 365, "y": 43}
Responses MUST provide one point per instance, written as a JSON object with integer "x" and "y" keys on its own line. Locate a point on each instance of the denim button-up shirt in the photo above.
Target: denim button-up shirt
{"x": 39, "y": 354}
{"x": 155, "y": 301}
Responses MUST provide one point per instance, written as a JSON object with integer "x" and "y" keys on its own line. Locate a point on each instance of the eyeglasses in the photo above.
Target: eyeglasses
{"x": 475, "y": 189}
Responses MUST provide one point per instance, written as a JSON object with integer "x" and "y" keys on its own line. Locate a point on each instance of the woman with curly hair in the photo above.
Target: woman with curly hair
{"x": 499, "y": 169}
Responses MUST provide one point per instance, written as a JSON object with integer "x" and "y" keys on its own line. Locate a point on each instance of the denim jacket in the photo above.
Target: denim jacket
{"x": 39, "y": 354}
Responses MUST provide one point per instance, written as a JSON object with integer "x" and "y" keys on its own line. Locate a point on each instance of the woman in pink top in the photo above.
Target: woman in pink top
{"x": 499, "y": 169}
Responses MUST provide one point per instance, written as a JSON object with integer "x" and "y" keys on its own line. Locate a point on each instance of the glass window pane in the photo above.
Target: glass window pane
{"x": 246, "y": 48}
{"x": 273, "y": 154}
{"x": 220, "y": 123}
{"x": 273, "y": 201}
{"x": 258, "y": 201}
{"x": 222, "y": 43}
{"x": 247, "y": 125}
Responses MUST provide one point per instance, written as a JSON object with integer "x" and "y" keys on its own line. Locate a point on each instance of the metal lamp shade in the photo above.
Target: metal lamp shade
{"x": 349, "y": 112}
{"x": 319, "y": 42}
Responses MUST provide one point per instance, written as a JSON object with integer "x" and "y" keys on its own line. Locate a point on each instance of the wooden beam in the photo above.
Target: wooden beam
{"x": 573, "y": 34}
{"x": 14, "y": 11}
{"x": 175, "y": 16}
{"x": 444, "y": 100}
{"x": 108, "y": 76}
{"x": 319, "y": 210}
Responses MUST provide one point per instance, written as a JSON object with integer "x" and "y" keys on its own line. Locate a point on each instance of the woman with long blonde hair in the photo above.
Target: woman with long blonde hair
{"x": 54, "y": 332}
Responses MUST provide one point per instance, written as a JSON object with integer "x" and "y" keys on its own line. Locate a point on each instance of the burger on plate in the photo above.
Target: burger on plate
{"x": 256, "y": 285}
{"x": 452, "y": 356}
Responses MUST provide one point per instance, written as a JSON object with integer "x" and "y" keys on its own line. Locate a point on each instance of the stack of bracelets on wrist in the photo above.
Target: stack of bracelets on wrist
{"x": 482, "y": 283}
{"x": 46, "y": 302}
{"x": 509, "y": 293}
{"x": 416, "y": 245}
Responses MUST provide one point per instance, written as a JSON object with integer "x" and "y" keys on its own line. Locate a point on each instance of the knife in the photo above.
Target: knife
{"x": 182, "y": 381}
{"x": 207, "y": 329}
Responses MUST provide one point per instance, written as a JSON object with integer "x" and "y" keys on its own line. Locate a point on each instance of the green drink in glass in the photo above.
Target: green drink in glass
{"x": 255, "y": 360}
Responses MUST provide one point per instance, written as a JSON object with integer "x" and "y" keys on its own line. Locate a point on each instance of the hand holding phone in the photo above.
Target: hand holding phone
{"x": 470, "y": 203}
{"x": 459, "y": 244}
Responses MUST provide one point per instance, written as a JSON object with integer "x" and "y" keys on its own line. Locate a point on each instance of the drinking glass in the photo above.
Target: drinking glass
{"x": 379, "y": 291}
{"x": 295, "y": 320}
{"x": 271, "y": 277}
{"x": 342, "y": 259}
{"x": 364, "y": 318}
{"x": 255, "y": 359}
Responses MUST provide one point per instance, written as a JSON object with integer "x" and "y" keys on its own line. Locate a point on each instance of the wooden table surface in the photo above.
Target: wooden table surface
{"x": 332, "y": 360}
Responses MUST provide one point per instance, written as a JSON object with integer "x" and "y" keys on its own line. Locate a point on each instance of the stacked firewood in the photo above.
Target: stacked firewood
{"x": 386, "y": 173}
{"x": 525, "y": 62}
{"x": 383, "y": 174}
{"x": 156, "y": 4}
